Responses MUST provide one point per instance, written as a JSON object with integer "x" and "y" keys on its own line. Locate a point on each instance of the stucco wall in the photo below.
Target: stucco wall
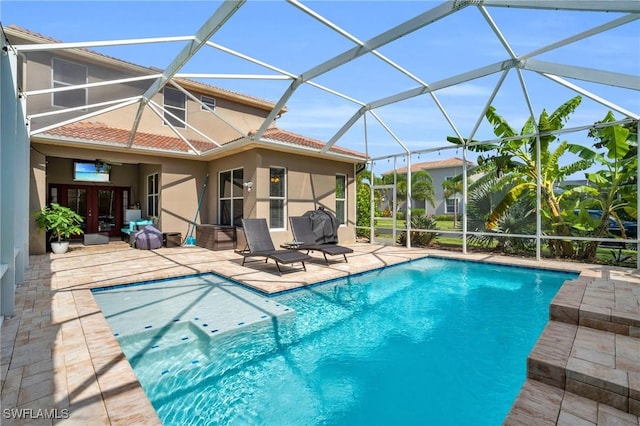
{"x": 38, "y": 71}
{"x": 37, "y": 200}
{"x": 180, "y": 182}
{"x": 310, "y": 184}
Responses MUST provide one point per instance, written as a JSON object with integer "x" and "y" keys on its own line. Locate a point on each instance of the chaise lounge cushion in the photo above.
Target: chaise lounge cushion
{"x": 302, "y": 229}
{"x": 260, "y": 244}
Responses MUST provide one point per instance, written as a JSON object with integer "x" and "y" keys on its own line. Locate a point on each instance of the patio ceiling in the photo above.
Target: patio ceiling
{"x": 578, "y": 79}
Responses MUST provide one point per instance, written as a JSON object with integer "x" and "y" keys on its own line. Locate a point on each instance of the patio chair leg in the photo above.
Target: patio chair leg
{"x": 278, "y": 265}
{"x": 345, "y": 258}
{"x": 325, "y": 258}
{"x": 304, "y": 267}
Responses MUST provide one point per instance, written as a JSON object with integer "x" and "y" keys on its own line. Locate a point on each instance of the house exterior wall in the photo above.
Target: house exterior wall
{"x": 438, "y": 176}
{"x": 311, "y": 179}
{"x": 180, "y": 184}
{"x": 36, "y": 74}
{"x": 310, "y": 183}
{"x": 37, "y": 200}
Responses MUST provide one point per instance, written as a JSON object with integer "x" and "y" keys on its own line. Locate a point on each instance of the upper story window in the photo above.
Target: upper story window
{"x": 208, "y": 101}
{"x": 277, "y": 197}
{"x": 175, "y": 102}
{"x": 64, "y": 74}
{"x": 341, "y": 199}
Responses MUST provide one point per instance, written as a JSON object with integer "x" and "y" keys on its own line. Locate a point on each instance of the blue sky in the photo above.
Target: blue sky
{"x": 281, "y": 35}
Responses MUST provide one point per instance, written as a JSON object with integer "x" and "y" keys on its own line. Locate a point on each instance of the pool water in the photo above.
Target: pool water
{"x": 428, "y": 342}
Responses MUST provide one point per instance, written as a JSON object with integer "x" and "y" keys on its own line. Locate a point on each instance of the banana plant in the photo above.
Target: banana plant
{"x": 514, "y": 160}
{"x": 612, "y": 190}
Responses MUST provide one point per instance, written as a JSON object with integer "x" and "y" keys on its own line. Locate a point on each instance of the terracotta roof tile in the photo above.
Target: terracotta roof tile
{"x": 99, "y": 132}
{"x": 286, "y": 136}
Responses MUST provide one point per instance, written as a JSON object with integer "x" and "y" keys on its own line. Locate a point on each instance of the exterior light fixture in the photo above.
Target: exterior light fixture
{"x": 248, "y": 185}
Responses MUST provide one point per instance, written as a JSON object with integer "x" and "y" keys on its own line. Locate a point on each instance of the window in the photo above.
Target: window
{"x": 341, "y": 199}
{"x": 230, "y": 199}
{"x": 64, "y": 74}
{"x": 175, "y": 103}
{"x": 451, "y": 206}
{"x": 276, "y": 197}
{"x": 152, "y": 195}
{"x": 208, "y": 101}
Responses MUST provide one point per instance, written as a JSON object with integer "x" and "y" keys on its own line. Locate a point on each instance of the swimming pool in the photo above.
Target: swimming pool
{"x": 431, "y": 341}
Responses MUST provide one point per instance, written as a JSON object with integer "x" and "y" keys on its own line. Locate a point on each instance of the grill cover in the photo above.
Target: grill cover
{"x": 148, "y": 238}
{"x": 324, "y": 225}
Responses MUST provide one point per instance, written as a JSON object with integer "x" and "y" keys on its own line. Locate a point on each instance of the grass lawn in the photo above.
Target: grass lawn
{"x": 605, "y": 255}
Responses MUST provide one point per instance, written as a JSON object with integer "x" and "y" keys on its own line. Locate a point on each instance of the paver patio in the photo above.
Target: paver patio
{"x": 60, "y": 359}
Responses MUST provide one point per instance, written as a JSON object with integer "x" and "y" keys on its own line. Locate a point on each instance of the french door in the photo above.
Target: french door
{"x": 101, "y": 207}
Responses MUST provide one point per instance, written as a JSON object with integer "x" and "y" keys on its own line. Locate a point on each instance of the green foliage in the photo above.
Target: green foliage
{"x": 514, "y": 163}
{"x": 61, "y": 221}
{"x": 363, "y": 203}
{"x": 417, "y": 212}
{"x": 421, "y": 185}
{"x": 420, "y": 239}
{"x": 613, "y": 189}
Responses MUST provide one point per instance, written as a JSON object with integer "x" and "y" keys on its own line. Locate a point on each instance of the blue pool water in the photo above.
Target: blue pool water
{"x": 429, "y": 342}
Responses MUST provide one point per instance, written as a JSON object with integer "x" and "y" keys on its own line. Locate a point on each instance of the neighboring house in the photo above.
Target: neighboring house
{"x": 158, "y": 161}
{"x": 440, "y": 171}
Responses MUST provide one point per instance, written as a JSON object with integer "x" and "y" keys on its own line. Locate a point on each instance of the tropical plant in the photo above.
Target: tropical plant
{"x": 612, "y": 190}
{"x": 363, "y": 202}
{"x": 451, "y": 188}
{"x": 420, "y": 238}
{"x": 61, "y": 221}
{"x": 421, "y": 186}
{"x": 515, "y": 159}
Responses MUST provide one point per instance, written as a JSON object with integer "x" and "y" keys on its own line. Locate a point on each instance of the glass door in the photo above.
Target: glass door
{"x": 77, "y": 201}
{"x": 100, "y": 207}
{"x": 106, "y": 210}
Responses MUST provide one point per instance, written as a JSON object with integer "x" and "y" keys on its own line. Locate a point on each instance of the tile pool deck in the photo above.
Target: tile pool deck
{"x": 59, "y": 355}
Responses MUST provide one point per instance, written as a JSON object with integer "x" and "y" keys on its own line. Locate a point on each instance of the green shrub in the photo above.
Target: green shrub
{"x": 420, "y": 239}
{"x": 417, "y": 212}
{"x": 399, "y": 215}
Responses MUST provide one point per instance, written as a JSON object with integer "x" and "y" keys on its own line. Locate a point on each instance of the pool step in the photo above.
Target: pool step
{"x": 599, "y": 365}
{"x": 541, "y": 404}
{"x": 604, "y": 304}
{"x": 585, "y": 367}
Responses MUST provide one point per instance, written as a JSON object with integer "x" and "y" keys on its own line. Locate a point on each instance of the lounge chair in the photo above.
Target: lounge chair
{"x": 260, "y": 244}
{"x": 302, "y": 230}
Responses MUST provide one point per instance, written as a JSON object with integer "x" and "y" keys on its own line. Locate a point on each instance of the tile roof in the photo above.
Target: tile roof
{"x": 432, "y": 165}
{"x": 286, "y": 136}
{"x": 101, "y": 133}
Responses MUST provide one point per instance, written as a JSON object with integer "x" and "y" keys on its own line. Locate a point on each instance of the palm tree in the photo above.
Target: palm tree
{"x": 515, "y": 159}
{"x": 421, "y": 186}
{"x": 451, "y": 188}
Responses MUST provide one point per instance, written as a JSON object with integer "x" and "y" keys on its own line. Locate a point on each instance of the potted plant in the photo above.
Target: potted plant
{"x": 62, "y": 222}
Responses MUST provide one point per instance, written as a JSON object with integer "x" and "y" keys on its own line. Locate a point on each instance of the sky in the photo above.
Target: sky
{"x": 283, "y": 36}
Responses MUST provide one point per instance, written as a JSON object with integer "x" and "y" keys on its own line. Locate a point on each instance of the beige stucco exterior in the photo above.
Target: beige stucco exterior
{"x": 310, "y": 176}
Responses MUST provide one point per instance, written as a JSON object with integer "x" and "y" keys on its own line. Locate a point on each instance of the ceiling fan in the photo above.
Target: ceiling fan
{"x": 105, "y": 164}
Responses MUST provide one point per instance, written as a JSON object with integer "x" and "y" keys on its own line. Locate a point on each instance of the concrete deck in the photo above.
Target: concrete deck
{"x": 60, "y": 359}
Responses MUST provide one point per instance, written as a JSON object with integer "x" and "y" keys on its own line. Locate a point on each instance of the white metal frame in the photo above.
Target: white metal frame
{"x": 14, "y": 157}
